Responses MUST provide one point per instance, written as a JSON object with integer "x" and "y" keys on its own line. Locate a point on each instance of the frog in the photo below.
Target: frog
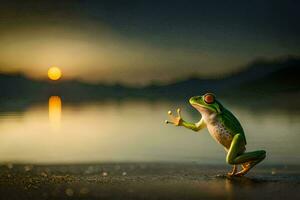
{"x": 225, "y": 128}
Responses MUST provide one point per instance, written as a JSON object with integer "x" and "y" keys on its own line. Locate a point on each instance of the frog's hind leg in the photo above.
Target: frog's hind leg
{"x": 260, "y": 155}
{"x": 248, "y": 160}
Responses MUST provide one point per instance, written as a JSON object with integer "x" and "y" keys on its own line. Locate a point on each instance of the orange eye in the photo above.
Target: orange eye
{"x": 208, "y": 98}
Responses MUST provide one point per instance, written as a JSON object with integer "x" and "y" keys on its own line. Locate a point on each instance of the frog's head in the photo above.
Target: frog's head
{"x": 206, "y": 103}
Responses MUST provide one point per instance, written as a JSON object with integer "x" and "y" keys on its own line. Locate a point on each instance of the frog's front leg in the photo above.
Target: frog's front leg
{"x": 178, "y": 121}
{"x": 236, "y": 155}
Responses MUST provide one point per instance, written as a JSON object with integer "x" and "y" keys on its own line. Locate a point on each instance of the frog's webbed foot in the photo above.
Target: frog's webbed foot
{"x": 246, "y": 165}
{"x": 244, "y": 171}
{"x": 176, "y": 120}
{"x": 249, "y": 165}
{"x": 233, "y": 172}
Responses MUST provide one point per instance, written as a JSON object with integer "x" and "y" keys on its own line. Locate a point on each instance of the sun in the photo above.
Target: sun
{"x": 54, "y": 73}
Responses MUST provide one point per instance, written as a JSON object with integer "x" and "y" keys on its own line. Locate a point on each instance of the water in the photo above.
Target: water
{"x": 134, "y": 130}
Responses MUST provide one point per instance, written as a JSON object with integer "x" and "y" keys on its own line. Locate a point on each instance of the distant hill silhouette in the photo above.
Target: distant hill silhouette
{"x": 261, "y": 76}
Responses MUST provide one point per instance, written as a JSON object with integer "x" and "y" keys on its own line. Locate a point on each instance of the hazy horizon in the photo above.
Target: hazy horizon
{"x": 153, "y": 81}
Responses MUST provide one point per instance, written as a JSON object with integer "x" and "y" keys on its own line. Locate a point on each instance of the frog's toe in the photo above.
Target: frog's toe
{"x": 234, "y": 170}
{"x": 230, "y": 174}
{"x": 246, "y": 165}
{"x": 241, "y": 173}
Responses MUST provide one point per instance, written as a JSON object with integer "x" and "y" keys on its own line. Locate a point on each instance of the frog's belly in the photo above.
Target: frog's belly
{"x": 220, "y": 134}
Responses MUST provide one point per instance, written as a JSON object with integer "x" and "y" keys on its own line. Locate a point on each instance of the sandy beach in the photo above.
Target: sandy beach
{"x": 146, "y": 181}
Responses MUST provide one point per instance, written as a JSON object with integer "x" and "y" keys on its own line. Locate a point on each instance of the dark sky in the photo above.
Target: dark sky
{"x": 141, "y": 41}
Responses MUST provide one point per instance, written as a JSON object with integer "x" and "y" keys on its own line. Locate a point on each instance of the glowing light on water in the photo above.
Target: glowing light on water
{"x": 55, "y": 111}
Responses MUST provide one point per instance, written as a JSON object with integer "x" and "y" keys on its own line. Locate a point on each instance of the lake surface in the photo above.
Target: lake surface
{"x": 134, "y": 130}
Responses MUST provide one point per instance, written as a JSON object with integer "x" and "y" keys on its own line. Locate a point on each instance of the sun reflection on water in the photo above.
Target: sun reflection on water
{"x": 55, "y": 105}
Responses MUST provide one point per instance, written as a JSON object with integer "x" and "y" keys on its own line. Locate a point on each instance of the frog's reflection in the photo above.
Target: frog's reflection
{"x": 234, "y": 185}
{"x": 55, "y": 111}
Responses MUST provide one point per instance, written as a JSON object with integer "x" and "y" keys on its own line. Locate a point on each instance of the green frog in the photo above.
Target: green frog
{"x": 225, "y": 128}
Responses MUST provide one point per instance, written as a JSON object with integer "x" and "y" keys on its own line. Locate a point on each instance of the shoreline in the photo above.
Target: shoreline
{"x": 145, "y": 181}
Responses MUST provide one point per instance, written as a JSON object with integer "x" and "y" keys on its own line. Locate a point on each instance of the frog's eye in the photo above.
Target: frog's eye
{"x": 209, "y": 98}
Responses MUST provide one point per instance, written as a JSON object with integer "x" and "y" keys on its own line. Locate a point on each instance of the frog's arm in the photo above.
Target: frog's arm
{"x": 194, "y": 126}
{"x": 178, "y": 121}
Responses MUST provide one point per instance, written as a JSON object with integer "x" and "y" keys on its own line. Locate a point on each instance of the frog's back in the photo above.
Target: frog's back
{"x": 232, "y": 123}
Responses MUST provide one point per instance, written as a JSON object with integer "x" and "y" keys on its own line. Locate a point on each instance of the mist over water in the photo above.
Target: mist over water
{"x": 55, "y": 131}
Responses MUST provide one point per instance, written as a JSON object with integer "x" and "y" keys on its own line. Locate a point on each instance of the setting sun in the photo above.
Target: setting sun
{"x": 54, "y": 73}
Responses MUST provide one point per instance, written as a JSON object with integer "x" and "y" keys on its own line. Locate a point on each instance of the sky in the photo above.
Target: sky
{"x": 139, "y": 42}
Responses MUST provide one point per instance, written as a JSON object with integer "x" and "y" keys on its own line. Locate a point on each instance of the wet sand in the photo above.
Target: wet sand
{"x": 146, "y": 181}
